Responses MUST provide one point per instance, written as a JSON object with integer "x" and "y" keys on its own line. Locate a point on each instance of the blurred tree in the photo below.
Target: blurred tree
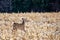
{"x": 17, "y": 5}
{"x": 21, "y": 5}
{"x": 5, "y": 6}
{"x": 40, "y": 5}
{"x": 29, "y": 5}
{"x": 35, "y": 5}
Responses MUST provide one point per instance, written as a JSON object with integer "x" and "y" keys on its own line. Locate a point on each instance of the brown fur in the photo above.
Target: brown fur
{"x": 20, "y": 26}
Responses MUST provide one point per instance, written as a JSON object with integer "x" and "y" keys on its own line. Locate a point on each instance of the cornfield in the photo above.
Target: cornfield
{"x": 36, "y": 26}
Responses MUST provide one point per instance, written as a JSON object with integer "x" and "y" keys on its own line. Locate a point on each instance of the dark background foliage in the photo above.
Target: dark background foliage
{"x": 29, "y": 5}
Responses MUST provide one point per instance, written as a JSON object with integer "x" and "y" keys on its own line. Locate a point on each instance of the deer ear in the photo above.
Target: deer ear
{"x": 25, "y": 20}
{"x": 14, "y": 23}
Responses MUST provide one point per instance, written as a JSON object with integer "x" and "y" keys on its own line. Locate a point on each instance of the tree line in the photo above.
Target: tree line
{"x": 34, "y": 5}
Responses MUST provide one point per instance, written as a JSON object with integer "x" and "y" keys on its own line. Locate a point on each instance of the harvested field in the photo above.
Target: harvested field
{"x": 30, "y": 26}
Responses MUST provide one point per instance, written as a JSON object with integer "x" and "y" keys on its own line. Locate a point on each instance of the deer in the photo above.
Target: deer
{"x": 20, "y": 26}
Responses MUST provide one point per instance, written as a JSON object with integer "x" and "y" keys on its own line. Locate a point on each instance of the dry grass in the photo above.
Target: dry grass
{"x": 40, "y": 26}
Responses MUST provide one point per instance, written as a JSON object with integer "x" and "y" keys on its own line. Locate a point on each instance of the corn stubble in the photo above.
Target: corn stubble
{"x": 30, "y": 26}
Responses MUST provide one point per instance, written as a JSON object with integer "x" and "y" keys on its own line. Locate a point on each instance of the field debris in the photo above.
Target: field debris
{"x": 43, "y": 26}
